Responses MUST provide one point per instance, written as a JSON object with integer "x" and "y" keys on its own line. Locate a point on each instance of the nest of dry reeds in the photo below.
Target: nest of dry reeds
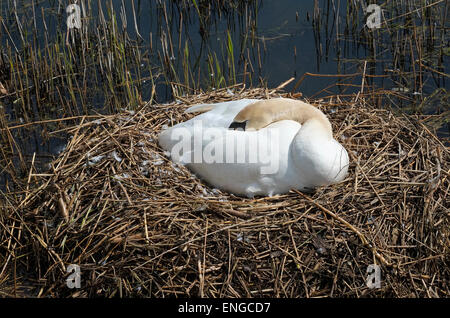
{"x": 139, "y": 225}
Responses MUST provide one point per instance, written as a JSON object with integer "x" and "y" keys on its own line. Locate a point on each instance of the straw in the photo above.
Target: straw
{"x": 139, "y": 225}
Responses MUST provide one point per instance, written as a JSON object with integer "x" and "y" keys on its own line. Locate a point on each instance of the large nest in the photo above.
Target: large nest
{"x": 139, "y": 225}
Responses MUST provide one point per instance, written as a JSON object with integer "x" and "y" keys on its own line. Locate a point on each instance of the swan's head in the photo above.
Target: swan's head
{"x": 249, "y": 120}
{"x": 262, "y": 113}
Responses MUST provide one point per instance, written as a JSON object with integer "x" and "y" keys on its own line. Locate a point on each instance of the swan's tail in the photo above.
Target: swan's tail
{"x": 226, "y": 106}
{"x": 201, "y": 108}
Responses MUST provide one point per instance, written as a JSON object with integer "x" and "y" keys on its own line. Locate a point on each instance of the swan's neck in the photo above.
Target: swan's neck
{"x": 314, "y": 123}
{"x": 315, "y": 129}
{"x": 265, "y": 112}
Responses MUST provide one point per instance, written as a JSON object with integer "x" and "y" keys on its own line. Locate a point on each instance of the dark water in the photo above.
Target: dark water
{"x": 273, "y": 40}
{"x": 283, "y": 35}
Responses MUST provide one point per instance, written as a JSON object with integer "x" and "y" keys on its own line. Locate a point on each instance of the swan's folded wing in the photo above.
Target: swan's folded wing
{"x": 218, "y": 115}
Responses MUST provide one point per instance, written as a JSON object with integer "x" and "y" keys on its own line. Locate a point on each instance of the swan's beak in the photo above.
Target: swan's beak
{"x": 238, "y": 125}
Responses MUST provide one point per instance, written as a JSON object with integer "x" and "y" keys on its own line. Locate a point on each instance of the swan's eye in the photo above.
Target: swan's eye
{"x": 238, "y": 125}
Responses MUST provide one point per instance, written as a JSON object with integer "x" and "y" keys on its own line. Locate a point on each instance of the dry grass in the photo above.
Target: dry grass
{"x": 138, "y": 225}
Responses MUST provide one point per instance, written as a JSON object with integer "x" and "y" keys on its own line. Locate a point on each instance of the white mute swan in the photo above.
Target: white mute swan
{"x": 258, "y": 147}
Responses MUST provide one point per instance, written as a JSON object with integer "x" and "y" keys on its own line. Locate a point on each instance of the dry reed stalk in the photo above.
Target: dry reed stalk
{"x": 139, "y": 225}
